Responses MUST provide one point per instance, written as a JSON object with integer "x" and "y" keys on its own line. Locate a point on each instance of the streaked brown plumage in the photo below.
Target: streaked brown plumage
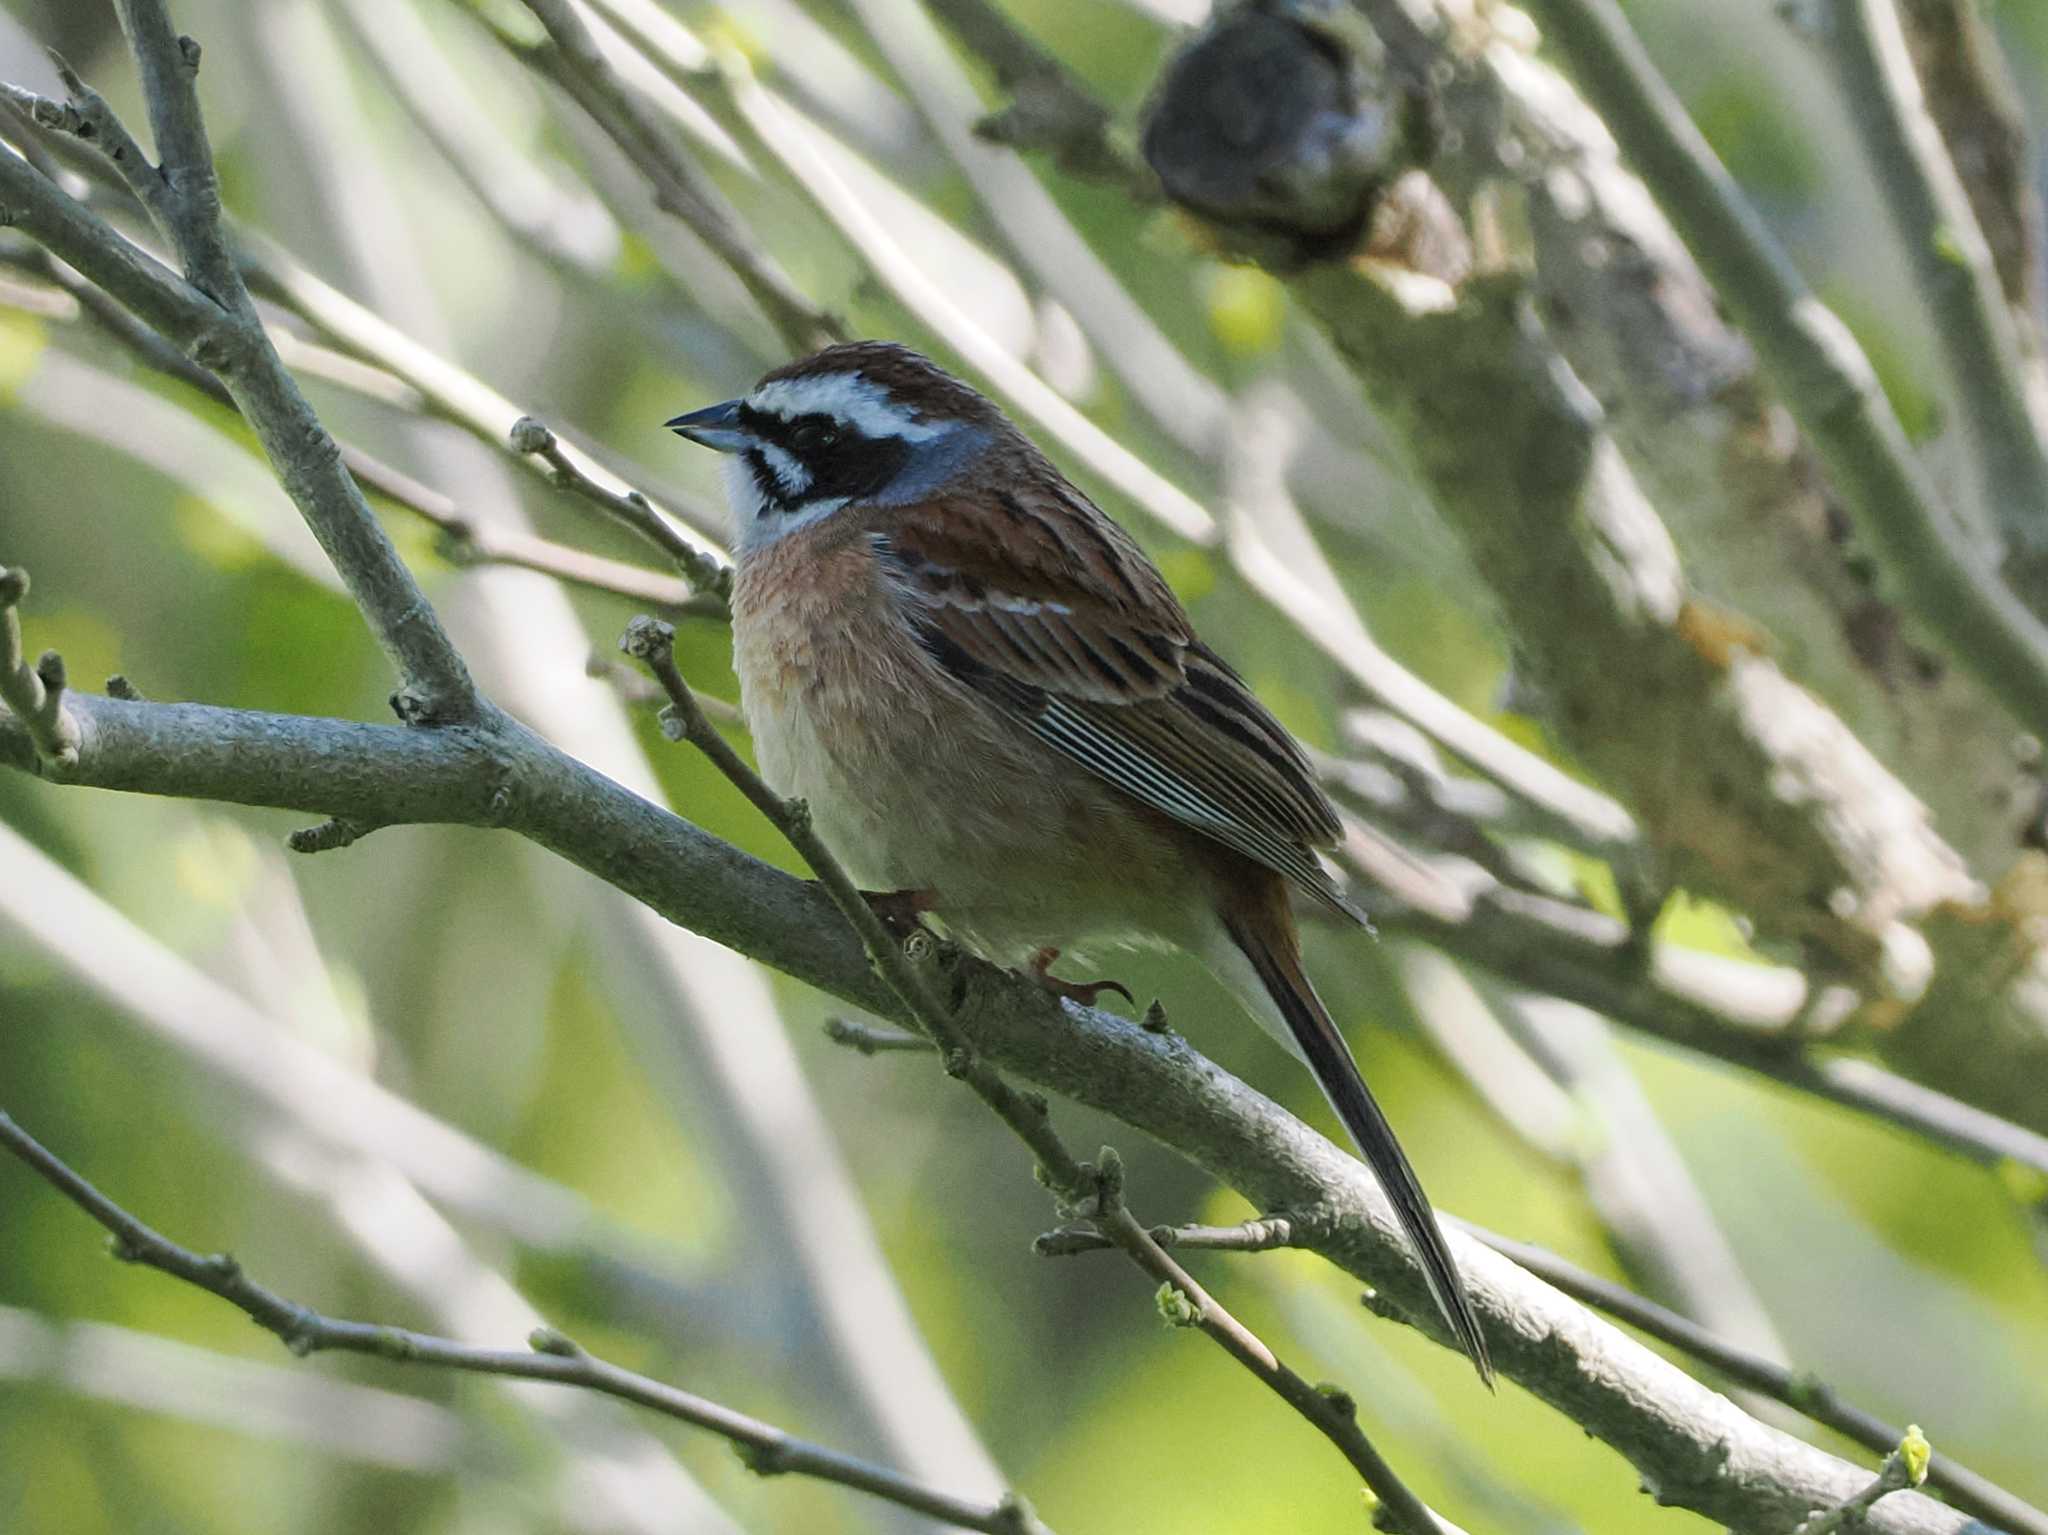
{"x": 986, "y": 692}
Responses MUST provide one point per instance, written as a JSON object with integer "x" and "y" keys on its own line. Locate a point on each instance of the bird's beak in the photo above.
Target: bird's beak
{"x": 715, "y": 426}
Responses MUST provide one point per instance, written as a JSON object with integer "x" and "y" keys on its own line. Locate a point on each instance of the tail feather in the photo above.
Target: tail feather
{"x": 1315, "y": 1032}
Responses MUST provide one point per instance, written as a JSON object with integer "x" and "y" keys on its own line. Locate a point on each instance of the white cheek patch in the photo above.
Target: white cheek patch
{"x": 846, "y": 397}
{"x": 742, "y": 494}
{"x": 792, "y": 476}
{"x": 756, "y": 522}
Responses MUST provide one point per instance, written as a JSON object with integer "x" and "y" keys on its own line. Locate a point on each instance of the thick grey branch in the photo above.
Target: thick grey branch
{"x": 1744, "y": 785}
{"x": 1686, "y": 402}
{"x": 32, "y": 203}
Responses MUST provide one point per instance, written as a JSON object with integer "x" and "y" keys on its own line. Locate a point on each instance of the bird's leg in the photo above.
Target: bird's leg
{"x": 902, "y": 911}
{"x": 1083, "y": 992}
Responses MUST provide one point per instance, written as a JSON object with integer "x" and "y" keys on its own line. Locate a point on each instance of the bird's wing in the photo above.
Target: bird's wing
{"x": 1040, "y": 604}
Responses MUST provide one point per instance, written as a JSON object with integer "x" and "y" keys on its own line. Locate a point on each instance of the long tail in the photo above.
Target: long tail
{"x": 1277, "y": 960}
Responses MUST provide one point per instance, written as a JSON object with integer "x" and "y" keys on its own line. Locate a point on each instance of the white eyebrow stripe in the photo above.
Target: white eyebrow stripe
{"x": 846, "y": 397}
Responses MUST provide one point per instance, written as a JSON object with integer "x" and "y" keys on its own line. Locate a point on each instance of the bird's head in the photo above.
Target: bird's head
{"x": 869, "y": 423}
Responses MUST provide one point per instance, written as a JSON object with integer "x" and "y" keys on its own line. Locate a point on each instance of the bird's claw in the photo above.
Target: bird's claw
{"x": 1083, "y": 992}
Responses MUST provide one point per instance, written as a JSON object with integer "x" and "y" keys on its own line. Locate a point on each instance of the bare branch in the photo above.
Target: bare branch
{"x": 1684, "y": 398}
{"x": 630, "y": 508}
{"x": 1254, "y": 1236}
{"x": 87, "y": 118}
{"x": 1695, "y": 1446}
{"x": 1971, "y": 94}
{"x": 212, "y": 316}
{"x": 463, "y": 400}
{"x": 1627, "y": 660}
{"x": 575, "y": 62}
{"x": 1803, "y": 1392}
{"x": 1820, "y": 372}
{"x": 1051, "y": 110}
{"x": 767, "y": 1450}
{"x": 1952, "y": 262}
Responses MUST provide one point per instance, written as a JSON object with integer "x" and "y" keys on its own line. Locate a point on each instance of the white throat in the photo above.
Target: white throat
{"x": 756, "y": 524}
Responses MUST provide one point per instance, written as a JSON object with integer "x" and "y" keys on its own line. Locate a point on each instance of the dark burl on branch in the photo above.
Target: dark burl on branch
{"x": 1286, "y": 133}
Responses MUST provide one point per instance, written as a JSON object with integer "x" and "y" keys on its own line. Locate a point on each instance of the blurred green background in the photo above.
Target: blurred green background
{"x": 502, "y": 993}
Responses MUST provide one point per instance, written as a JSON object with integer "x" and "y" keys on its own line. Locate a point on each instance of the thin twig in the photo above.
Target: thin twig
{"x": 1952, "y": 262}
{"x": 437, "y": 684}
{"x": 335, "y": 832}
{"x": 629, "y": 508}
{"x": 1050, "y": 109}
{"x": 1905, "y": 1466}
{"x": 574, "y": 61}
{"x": 544, "y": 213}
{"x": 1254, "y": 1236}
{"x": 1092, "y": 1189}
{"x": 87, "y": 118}
{"x": 1803, "y": 1392}
{"x": 872, "y": 1041}
{"x": 463, "y": 400}
{"x": 552, "y": 1358}
{"x": 469, "y": 542}
{"x": 1982, "y": 118}
{"x": 786, "y": 140}
{"x": 1820, "y": 372}
{"x": 34, "y": 693}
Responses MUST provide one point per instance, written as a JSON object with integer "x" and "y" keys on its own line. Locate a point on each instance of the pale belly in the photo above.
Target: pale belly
{"x": 916, "y": 784}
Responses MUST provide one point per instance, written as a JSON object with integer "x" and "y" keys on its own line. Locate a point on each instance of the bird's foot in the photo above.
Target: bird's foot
{"x": 902, "y": 911}
{"x": 1083, "y": 992}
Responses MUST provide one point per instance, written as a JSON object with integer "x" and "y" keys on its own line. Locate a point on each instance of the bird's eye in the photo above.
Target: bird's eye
{"x": 812, "y": 436}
